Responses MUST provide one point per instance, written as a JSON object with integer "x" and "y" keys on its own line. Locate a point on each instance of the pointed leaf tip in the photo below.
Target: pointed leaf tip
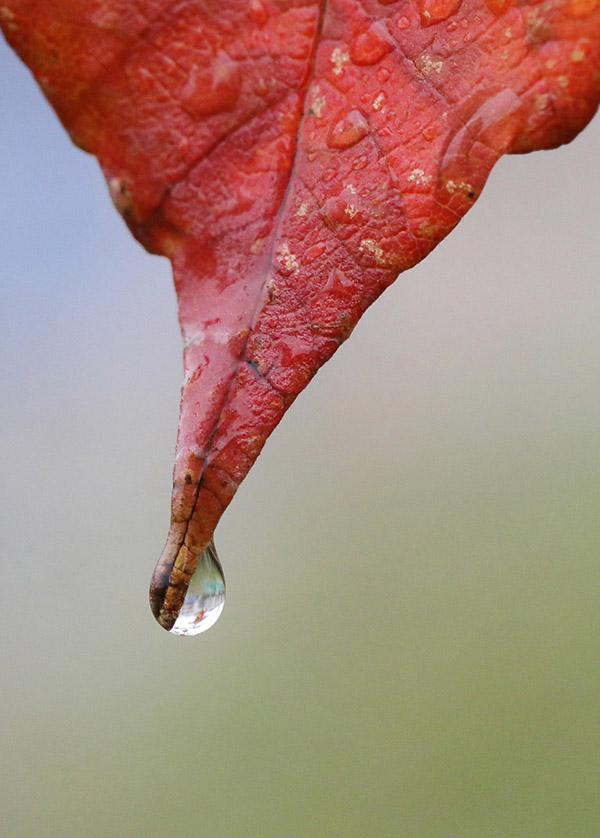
{"x": 291, "y": 158}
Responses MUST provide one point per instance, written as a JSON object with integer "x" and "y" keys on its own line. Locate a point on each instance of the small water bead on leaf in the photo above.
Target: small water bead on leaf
{"x": 499, "y": 7}
{"x": 379, "y": 101}
{"x": 371, "y": 45}
{"x": 434, "y": 11}
{"x": 348, "y": 130}
{"x": 495, "y": 121}
{"x": 258, "y": 12}
{"x": 429, "y": 133}
{"x": 214, "y": 89}
{"x": 578, "y": 8}
{"x": 482, "y": 137}
{"x": 359, "y": 163}
{"x": 205, "y": 597}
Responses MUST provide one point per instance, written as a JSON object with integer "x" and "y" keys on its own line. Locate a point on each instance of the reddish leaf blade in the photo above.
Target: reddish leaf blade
{"x": 292, "y": 158}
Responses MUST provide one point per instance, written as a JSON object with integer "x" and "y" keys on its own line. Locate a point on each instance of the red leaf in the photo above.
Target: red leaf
{"x": 291, "y": 158}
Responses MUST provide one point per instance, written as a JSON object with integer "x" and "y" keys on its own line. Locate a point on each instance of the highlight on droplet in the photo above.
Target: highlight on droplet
{"x": 205, "y": 597}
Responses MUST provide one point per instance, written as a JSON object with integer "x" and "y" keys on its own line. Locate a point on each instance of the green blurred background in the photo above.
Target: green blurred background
{"x": 411, "y": 641}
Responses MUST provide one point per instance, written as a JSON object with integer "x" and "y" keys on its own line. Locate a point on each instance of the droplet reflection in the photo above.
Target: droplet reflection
{"x": 205, "y": 596}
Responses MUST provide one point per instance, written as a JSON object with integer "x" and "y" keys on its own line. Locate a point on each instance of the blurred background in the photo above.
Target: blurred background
{"x": 411, "y": 642}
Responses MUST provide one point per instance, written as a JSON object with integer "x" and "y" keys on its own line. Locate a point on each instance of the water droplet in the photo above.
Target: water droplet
{"x": 403, "y": 23}
{"x": 313, "y": 253}
{"x": 359, "y": 163}
{"x": 143, "y": 80}
{"x": 213, "y": 89}
{"x": 486, "y": 134}
{"x": 205, "y": 596}
{"x": 379, "y": 101}
{"x": 496, "y": 121}
{"x": 434, "y": 11}
{"x": 383, "y": 74}
{"x": 260, "y": 88}
{"x": 293, "y": 350}
{"x": 370, "y": 46}
{"x": 499, "y": 7}
{"x": 348, "y": 130}
{"x": 121, "y": 195}
{"x": 258, "y": 13}
{"x": 578, "y": 8}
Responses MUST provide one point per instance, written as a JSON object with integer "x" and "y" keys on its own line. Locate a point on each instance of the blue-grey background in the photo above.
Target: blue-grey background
{"x": 411, "y": 643}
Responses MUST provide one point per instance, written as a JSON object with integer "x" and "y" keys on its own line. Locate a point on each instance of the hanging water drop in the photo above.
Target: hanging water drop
{"x": 205, "y": 596}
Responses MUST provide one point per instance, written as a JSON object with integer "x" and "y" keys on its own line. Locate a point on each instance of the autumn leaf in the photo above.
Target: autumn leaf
{"x": 291, "y": 158}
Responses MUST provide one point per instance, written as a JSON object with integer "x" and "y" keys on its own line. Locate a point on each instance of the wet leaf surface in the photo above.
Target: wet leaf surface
{"x": 291, "y": 158}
